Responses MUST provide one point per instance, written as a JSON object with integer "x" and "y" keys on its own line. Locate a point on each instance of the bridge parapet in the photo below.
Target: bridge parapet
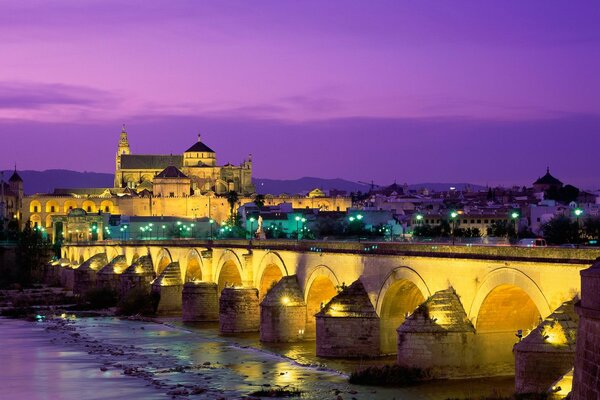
{"x": 562, "y": 255}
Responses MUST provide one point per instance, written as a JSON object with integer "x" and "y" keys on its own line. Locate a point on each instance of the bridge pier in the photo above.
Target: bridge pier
{"x": 85, "y": 274}
{"x": 239, "y": 310}
{"x": 168, "y": 285}
{"x": 109, "y": 275}
{"x": 283, "y": 312}
{"x": 348, "y": 326}
{"x": 438, "y": 337}
{"x": 587, "y": 361}
{"x": 139, "y": 275}
{"x": 200, "y": 302}
{"x": 67, "y": 277}
{"x": 547, "y": 353}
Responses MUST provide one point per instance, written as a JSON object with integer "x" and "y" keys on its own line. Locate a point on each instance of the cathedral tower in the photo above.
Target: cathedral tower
{"x": 123, "y": 149}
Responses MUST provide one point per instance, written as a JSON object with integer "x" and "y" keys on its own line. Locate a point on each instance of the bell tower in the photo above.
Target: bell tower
{"x": 122, "y": 149}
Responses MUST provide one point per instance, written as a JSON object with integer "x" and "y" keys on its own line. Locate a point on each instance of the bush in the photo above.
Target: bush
{"x": 96, "y": 299}
{"x": 389, "y": 375}
{"x": 138, "y": 301}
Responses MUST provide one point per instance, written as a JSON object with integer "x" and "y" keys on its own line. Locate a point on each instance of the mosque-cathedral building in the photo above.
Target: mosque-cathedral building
{"x": 190, "y": 185}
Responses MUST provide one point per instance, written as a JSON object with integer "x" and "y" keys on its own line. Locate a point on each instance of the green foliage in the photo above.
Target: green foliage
{"x": 561, "y": 230}
{"x": 467, "y": 232}
{"x": 591, "y": 228}
{"x": 138, "y": 301}
{"x": 232, "y": 198}
{"x": 259, "y": 200}
{"x": 441, "y": 230}
{"x": 501, "y": 228}
{"x": 389, "y": 375}
{"x": 277, "y": 392}
{"x": 32, "y": 253}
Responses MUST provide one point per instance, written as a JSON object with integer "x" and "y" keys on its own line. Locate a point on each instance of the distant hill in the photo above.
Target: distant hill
{"x": 306, "y": 184}
{"x": 47, "y": 181}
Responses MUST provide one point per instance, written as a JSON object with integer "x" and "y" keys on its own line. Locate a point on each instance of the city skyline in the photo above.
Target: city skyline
{"x": 487, "y": 94}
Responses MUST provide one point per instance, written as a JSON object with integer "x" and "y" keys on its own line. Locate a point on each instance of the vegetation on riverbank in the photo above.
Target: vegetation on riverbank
{"x": 389, "y": 375}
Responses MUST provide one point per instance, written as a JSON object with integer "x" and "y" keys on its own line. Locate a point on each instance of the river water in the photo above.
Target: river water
{"x": 110, "y": 358}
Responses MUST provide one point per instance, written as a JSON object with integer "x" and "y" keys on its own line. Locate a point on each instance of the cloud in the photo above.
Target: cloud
{"x": 37, "y": 95}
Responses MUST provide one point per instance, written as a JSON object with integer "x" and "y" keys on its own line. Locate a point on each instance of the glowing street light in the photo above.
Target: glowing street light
{"x": 515, "y": 216}
{"x": 453, "y": 215}
{"x": 211, "y": 222}
{"x": 251, "y": 226}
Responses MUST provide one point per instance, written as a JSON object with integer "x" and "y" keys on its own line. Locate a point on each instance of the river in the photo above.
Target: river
{"x": 111, "y": 358}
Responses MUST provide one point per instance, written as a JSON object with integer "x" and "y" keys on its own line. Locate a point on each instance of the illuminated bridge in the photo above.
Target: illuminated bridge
{"x": 453, "y": 308}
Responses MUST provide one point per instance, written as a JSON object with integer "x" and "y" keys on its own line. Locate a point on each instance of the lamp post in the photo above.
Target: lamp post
{"x": 515, "y": 216}
{"x": 298, "y": 221}
{"x": 211, "y": 222}
{"x": 251, "y": 226}
{"x": 162, "y": 231}
{"x": 453, "y": 216}
{"x": 578, "y": 213}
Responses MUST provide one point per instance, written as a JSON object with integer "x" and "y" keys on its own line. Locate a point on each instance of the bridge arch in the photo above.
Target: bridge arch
{"x": 401, "y": 292}
{"x": 229, "y": 270}
{"x": 111, "y": 253}
{"x": 194, "y": 267}
{"x": 513, "y": 290}
{"x": 162, "y": 260}
{"x": 270, "y": 270}
{"x": 321, "y": 286}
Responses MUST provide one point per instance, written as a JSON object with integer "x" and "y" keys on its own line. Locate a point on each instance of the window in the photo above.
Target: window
{"x": 478, "y": 221}
{"x": 51, "y": 208}
{"x": 35, "y": 209}
{"x": 172, "y": 194}
{"x": 472, "y": 221}
{"x": 485, "y": 221}
{"x": 89, "y": 209}
{"x": 106, "y": 209}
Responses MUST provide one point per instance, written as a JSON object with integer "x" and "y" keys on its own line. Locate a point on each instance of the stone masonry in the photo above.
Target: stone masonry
{"x": 200, "y": 302}
{"x": 239, "y": 310}
{"x": 348, "y": 326}
{"x": 438, "y": 337}
{"x": 169, "y": 286}
{"x": 548, "y": 352}
{"x": 586, "y": 380}
{"x": 283, "y": 312}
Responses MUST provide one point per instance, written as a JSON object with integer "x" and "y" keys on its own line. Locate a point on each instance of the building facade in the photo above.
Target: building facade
{"x": 198, "y": 163}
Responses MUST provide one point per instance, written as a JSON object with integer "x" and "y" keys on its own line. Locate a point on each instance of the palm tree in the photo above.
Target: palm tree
{"x": 232, "y": 198}
{"x": 259, "y": 201}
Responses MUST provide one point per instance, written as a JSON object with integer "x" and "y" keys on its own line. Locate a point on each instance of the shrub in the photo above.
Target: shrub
{"x": 138, "y": 301}
{"x": 389, "y": 375}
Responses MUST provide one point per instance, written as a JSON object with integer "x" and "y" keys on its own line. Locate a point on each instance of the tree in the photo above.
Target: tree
{"x": 591, "y": 228}
{"x": 561, "y": 229}
{"x": 259, "y": 201}
{"x": 232, "y": 198}
{"x": 501, "y": 228}
{"x": 32, "y": 252}
{"x": 565, "y": 194}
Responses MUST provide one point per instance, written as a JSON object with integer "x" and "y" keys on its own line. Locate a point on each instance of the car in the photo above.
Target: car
{"x": 532, "y": 242}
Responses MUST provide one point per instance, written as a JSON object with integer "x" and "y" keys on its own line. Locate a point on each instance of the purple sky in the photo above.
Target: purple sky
{"x": 487, "y": 92}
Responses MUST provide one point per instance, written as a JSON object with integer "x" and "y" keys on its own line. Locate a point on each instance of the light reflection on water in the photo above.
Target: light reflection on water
{"x": 231, "y": 366}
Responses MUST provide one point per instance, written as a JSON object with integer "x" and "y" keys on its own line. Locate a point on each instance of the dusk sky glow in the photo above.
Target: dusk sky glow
{"x": 471, "y": 91}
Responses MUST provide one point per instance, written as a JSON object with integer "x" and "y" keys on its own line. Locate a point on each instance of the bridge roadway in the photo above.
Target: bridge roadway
{"x": 501, "y": 289}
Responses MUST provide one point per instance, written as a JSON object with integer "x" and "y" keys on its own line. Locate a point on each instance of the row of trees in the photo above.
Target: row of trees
{"x": 562, "y": 229}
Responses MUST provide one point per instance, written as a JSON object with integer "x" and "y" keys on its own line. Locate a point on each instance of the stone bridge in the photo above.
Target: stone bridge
{"x": 454, "y": 308}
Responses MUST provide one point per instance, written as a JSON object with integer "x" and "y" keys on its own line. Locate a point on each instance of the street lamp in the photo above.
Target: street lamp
{"x": 298, "y": 220}
{"x": 515, "y": 216}
{"x": 211, "y": 222}
{"x": 453, "y": 216}
{"x": 578, "y": 213}
{"x": 162, "y": 232}
{"x": 251, "y": 226}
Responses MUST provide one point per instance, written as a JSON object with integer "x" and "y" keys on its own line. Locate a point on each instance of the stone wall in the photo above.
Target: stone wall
{"x": 283, "y": 312}
{"x": 547, "y": 353}
{"x": 348, "y": 325}
{"x": 239, "y": 310}
{"x": 586, "y": 382}
{"x": 200, "y": 302}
